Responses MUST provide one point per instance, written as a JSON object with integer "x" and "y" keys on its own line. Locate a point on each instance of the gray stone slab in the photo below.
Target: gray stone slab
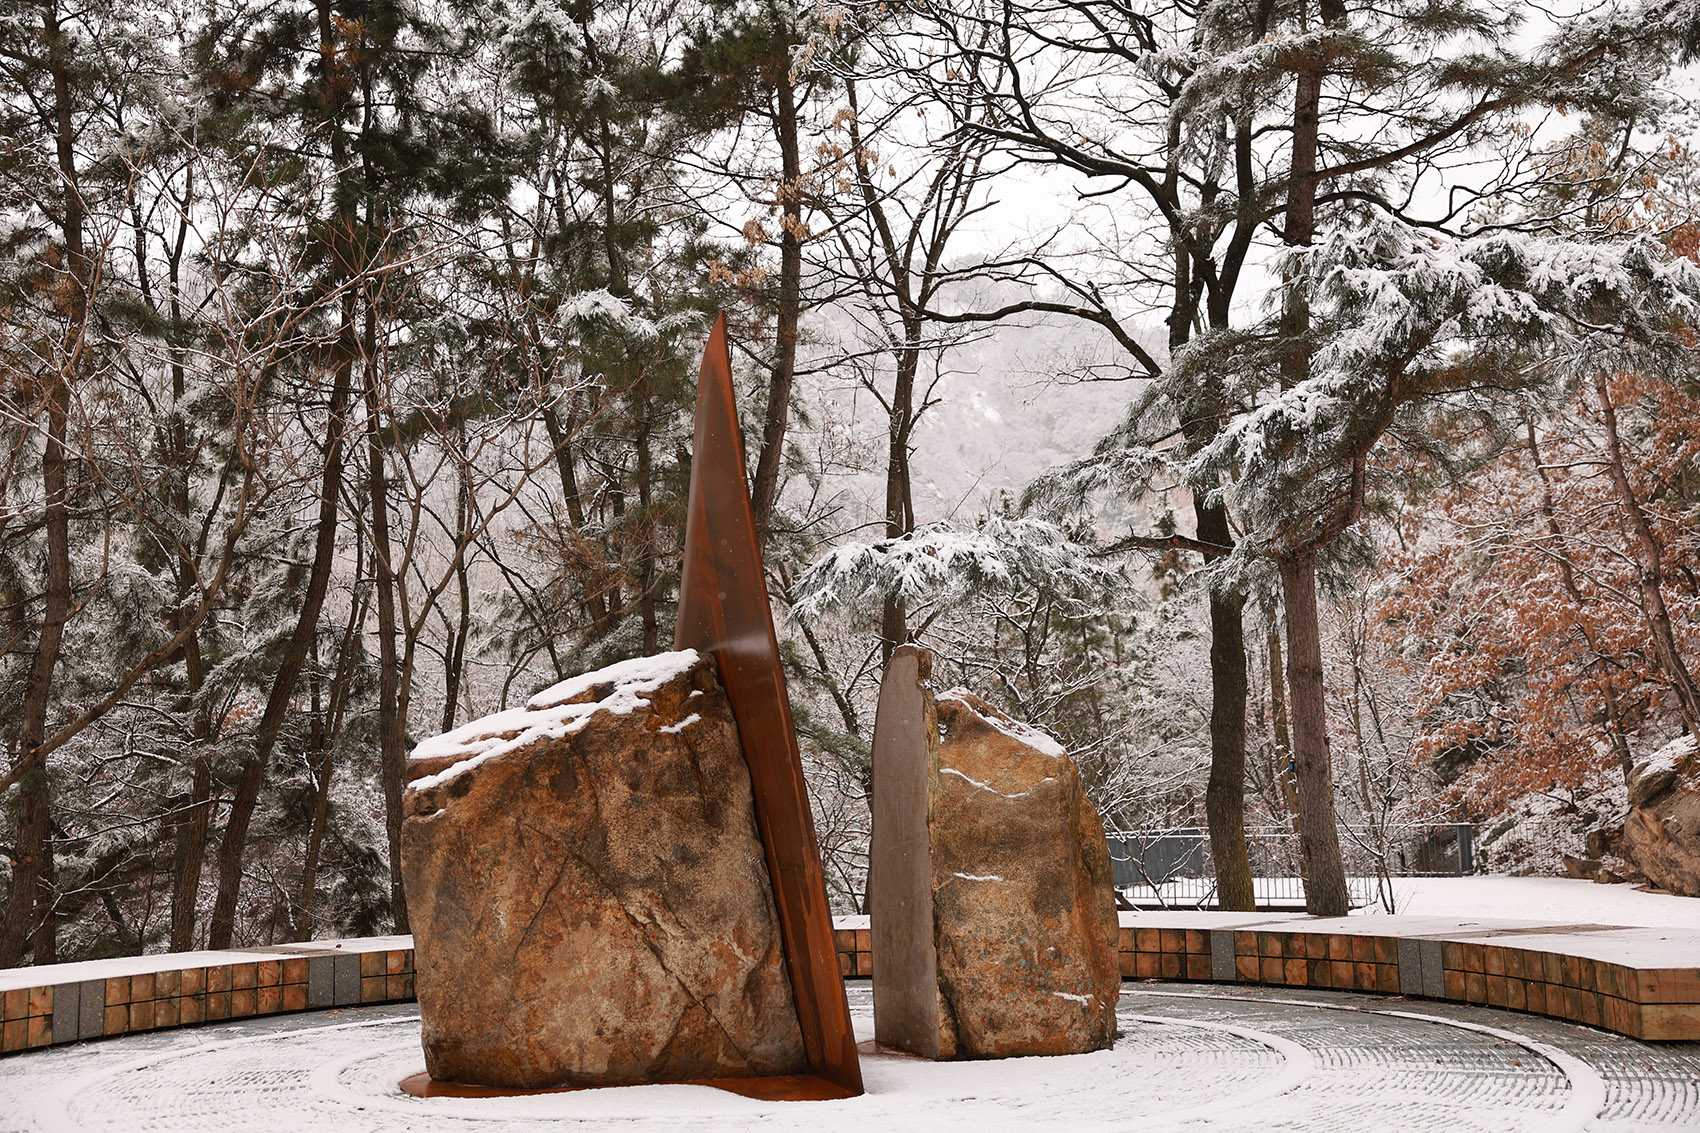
{"x": 900, "y": 870}
{"x": 321, "y": 981}
{"x": 1410, "y": 967}
{"x": 1222, "y": 968}
{"x": 347, "y": 980}
{"x": 91, "y": 1009}
{"x": 1434, "y": 974}
{"x": 66, "y": 1026}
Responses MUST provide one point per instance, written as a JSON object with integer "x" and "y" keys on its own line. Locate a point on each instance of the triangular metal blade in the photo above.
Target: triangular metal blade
{"x": 724, "y": 610}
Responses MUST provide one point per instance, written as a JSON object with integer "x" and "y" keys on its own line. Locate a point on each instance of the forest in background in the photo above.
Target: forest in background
{"x": 348, "y": 353}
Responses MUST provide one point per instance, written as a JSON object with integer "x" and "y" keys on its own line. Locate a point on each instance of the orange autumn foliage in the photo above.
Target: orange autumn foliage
{"x": 1516, "y": 599}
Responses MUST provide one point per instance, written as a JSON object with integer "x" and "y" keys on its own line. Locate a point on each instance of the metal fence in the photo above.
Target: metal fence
{"x": 1172, "y": 869}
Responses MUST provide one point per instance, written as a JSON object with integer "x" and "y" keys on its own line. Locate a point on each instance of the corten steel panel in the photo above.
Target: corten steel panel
{"x": 900, "y": 888}
{"x": 723, "y": 610}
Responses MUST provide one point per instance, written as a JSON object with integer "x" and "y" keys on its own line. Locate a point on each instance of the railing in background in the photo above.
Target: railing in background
{"x": 1172, "y": 869}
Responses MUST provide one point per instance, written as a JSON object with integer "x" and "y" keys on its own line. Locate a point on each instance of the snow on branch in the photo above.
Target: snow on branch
{"x": 939, "y": 563}
{"x": 1405, "y": 315}
{"x": 603, "y": 307}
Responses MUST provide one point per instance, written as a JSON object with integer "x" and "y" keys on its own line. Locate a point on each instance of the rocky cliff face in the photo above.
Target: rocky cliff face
{"x": 1661, "y": 834}
{"x": 589, "y": 897}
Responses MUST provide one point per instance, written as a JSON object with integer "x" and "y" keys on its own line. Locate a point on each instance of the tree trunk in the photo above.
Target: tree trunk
{"x": 1650, "y": 575}
{"x": 342, "y": 681}
{"x": 29, "y": 906}
{"x": 392, "y": 719}
{"x": 29, "y": 916}
{"x": 766, "y": 484}
{"x": 189, "y": 849}
{"x": 1319, "y": 838}
{"x": 187, "y": 857}
{"x": 454, "y": 658}
{"x": 232, "y": 849}
{"x": 1567, "y": 575}
{"x": 1285, "y": 779}
{"x": 1224, "y": 797}
{"x": 648, "y": 616}
{"x": 343, "y": 255}
{"x": 596, "y": 604}
{"x": 899, "y": 508}
{"x": 320, "y": 764}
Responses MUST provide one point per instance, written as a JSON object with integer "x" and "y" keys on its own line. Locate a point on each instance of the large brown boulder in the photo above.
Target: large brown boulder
{"x": 1007, "y": 930}
{"x": 1661, "y": 834}
{"x": 589, "y": 900}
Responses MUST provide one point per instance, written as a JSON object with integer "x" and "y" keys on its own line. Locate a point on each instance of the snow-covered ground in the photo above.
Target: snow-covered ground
{"x": 1556, "y": 899}
{"x": 1203, "y": 1059}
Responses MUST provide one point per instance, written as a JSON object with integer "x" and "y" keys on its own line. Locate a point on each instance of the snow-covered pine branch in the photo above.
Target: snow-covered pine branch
{"x": 943, "y": 564}
{"x": 1405, "y": 322}
{"x": 1130, "y": 458}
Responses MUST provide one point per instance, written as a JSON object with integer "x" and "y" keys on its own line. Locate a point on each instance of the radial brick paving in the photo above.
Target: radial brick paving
{"x": 1206, "y": 1057}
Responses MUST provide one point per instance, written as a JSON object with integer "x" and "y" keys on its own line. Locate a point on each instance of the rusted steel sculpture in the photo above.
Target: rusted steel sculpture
{"x": 723, "y": 609}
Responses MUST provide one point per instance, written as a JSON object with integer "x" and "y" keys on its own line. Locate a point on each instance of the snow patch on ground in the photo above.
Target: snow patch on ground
{"x": 548, "y": 716}
{"x": 1557, "y": 900}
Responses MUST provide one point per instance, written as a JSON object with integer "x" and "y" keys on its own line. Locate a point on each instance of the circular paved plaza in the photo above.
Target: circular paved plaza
{"x": 1196, "y": 1058}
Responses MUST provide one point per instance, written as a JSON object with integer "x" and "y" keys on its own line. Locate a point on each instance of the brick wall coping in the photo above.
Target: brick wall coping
{"x": 1632, "y": 945}
{"x": 1643, "y": 982}
{"x": 11, "y": 978}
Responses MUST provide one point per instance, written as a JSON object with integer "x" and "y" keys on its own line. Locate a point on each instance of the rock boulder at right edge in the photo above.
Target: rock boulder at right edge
{"x": 1662, "y": 830}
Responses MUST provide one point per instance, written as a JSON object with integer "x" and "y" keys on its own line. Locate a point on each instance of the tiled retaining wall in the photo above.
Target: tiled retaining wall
{"x": 1542, "y": 973}
{"x": 1658, "y": 1003}
{"x": 179, "y": 990}
{"x": 1547, "y": 977}
{"x": 855, "y": 951}
{"x": 1547, "y": 970}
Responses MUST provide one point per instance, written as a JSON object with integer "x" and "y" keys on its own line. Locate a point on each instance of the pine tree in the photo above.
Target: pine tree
{"x": 746, "y": 62}
{"x": 61, "y": 175}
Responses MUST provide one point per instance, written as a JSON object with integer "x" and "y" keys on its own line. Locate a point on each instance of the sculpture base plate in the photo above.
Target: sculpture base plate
{"x": 768, "y": 1088}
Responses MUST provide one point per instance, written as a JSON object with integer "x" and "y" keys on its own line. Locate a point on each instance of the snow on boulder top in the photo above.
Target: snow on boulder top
{"x": 1671, "y": 757}
{"x": 556, "y": 712}
{"x": 1014, "y": 729}
{"x": 639, "y": 675}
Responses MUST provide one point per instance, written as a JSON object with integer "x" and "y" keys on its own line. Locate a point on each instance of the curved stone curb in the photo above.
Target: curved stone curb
{"x": 1640, "y": 982}
{"x": 64, "y": 1003}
